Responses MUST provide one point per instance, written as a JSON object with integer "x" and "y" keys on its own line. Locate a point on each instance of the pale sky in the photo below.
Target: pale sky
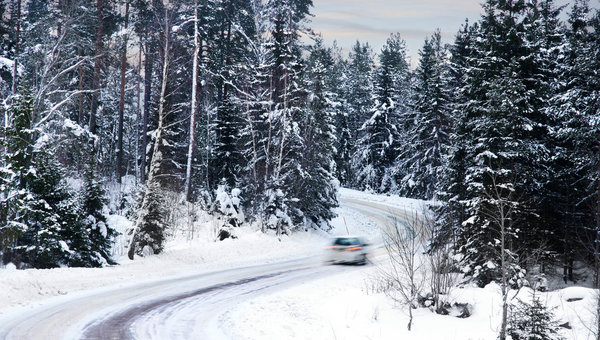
{"x": 373, "y": 20}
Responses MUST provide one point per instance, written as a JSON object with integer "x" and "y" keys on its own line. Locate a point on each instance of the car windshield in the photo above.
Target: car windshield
{"x": 346, "y": 241}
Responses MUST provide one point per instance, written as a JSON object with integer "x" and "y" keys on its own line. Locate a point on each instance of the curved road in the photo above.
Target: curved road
{"x": 176, "y": 308}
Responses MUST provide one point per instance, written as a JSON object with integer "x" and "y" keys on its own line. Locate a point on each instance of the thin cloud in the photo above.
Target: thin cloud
{"x": 373, "y": 21}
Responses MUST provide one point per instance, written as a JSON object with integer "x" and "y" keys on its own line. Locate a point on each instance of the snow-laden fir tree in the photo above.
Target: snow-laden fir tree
{"x": 380, "y": 135}
{"x": 315, "y": 185}
{"x": 543, "y": 41}
{"x": 576, "y": 111}
{"x": 498, "y": 117}
{"x": 357, "y": 91}
{"x": 49, "y": 214}
{"x": 284, "y": 116}
{"x": 234, "y": 27}
{"x": 38, "y": 214}
{"x": 255, "y": 100}
{"x": 227, "y": 158}
{"x": 358, "y": 87}
{"x": 344, "y": 141}
{"x": 148, "y": 234}
{"x": 17, "y": 160}
{"x": 41, "y": 226}
{"x": 99, "y": 235}
{"x": 532, "y": 320}
{"x": 451, "y": 190}
{"x": 423, "y": 158}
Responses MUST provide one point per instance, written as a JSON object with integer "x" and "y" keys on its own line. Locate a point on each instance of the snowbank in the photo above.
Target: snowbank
{"x": 342, "y": 307}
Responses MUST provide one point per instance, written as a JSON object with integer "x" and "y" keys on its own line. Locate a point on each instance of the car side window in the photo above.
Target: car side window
{"x": 345, "y": 241}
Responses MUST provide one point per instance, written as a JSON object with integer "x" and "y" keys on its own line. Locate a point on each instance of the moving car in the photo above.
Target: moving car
{"x": 347, "y": 249}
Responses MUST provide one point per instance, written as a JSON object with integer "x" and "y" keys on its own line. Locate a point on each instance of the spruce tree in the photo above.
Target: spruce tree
{"x": 452, "y": 187}
{"x": 228, "y": 160}
{"x": 18, "y": 159}
{"x": 357, "y": 90}
{"x": 575, "y": 111}
{"x": 48, "y": 214}
{"x": 497, "y": 115}
{"x": 423, "y": 159}
{"x": 532, "y": 321}
{"x": 380, "y": 142}
{"x": 315, "y": 185}
{"x": 98, "y": 234}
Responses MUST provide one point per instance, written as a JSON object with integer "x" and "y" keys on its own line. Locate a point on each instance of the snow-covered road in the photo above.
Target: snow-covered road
{"x": 177, "y": 308}
{"x": 186, "y": 306}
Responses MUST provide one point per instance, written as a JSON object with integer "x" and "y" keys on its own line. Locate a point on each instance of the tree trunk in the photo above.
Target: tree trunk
{"x": 155, "y": 163}
{"x": 503, "y": 325}
{"x": 17, "y": 36}
{"x": 81, "y": 97}
{"x": 503, "y": 217}
{"x": 97, "y": 65}
{"x": 138, "y": 118}
{"x": 410, "y": 318}
{"x": 148, "y": 70}
{"x": 119, "y": 169}
{"x": 194, "y": 104}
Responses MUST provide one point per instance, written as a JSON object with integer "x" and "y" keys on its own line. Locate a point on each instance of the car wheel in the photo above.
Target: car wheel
{"x": 364, "y": 260}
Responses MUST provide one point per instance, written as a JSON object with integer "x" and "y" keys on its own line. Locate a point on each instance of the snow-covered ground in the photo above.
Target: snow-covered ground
{"x": 340, "y": 305}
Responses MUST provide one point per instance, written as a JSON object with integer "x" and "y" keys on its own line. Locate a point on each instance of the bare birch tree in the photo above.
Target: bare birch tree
{"x": 500, "y": 211}
{"x": 194, "y": 105}
{"x": 405, "y": 274}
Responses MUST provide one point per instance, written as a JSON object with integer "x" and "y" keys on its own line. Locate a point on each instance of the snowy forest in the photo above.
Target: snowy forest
{"x": 206, "y": 99}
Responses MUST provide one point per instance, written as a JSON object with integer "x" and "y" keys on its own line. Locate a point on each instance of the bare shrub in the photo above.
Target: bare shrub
{"x": 441, "y": 264}
{"x": 403, "y": 278}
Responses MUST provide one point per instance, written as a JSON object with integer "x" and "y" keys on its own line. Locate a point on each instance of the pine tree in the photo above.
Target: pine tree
{"x": 424, "y": 157}
{"x": 98, "y": 235}
{"x": 575, "y": 111}
{"x": 18, "y": 158}
{"x": 532, "y": 321}
{"x": 499, "y": 118}
{"x": 452, "y": 187}
{"x": 48, "y": 214}
{"x": 315, "y": 187}
{"x": 379, "y": 144}
{"x": 357, "y": 90}
{"x": 148, "y": 235}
